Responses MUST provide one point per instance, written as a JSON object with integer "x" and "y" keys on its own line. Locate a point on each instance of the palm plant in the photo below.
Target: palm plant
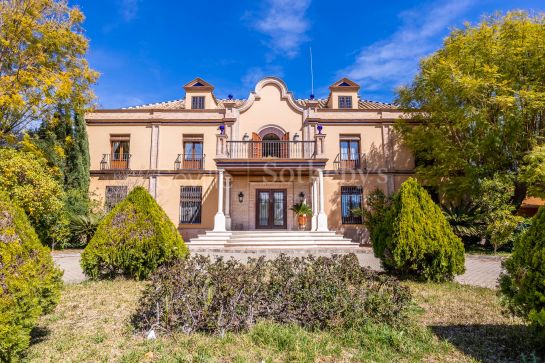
{"x": 83, "y": 227}
{"x": 465, "y": 219}
{"x": 301, "y": 209}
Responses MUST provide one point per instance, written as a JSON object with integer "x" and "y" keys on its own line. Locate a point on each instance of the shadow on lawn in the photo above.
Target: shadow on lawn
{"x": 494, "y": 343}
{"x": 38, "y": 334}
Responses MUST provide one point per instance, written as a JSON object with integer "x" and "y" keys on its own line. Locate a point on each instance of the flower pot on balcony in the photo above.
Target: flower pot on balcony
{"x": 302, "y": 220}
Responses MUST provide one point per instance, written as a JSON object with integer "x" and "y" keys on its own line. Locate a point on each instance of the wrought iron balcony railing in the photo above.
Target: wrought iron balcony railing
{"x": 189, "y": 162}
{"x": 115, "y": 162}
{"x": 350, "y": 162}
{"x": 271, "y": 149}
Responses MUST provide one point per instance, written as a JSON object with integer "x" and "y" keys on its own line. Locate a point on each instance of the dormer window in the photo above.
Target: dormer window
{"x": 345, "y": 101}
{"x": 197, "y": 102}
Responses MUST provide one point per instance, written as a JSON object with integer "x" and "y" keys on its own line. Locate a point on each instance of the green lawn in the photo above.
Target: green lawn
{"x": 91, "y": 324}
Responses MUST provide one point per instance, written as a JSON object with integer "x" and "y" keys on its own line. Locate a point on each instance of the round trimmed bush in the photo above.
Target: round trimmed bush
{"x": 523, "y": 284}
{"x": 414, "y": 238}
{"x": 133, "y": 240}
{"x": 29, "y": 281}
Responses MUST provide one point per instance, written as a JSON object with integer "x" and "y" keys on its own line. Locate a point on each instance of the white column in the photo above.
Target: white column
{"x": 153, "y": 186}
{"x": 228, "y": 202}
{"x": 219, "y": 218}
{"x": 313, "y": 220}
{"x": 322, "y": 218}
{"x": 154, "y": 150}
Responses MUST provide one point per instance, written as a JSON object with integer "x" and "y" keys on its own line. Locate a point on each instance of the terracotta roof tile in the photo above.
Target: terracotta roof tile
{"x": 322, "y": 103}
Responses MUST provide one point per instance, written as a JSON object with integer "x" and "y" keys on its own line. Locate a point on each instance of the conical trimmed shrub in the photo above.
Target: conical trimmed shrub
{"x": 29, "y": 281}
{"x": 133, "y": 240}
{"x": 523, "y": 285}
{"x": 415, "y": 240}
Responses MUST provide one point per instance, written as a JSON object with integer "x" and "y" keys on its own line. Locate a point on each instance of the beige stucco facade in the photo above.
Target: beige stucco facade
{"x": 273, "y": 150}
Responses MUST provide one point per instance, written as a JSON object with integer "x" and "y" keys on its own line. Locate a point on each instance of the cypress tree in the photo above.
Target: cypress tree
{"x": 523, "y": 284}
{"x": 414, "y": 238}
{"x": 77, "y": 157}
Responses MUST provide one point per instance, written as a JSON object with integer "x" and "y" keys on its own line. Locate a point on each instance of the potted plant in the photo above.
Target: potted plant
{"x": 302, "y": 210}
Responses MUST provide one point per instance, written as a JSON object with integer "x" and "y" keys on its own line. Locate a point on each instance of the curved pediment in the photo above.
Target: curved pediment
{"x": 285, "y": 95}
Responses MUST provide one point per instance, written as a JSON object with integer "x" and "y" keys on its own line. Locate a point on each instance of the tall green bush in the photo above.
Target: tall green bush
{"x": 415, "y": 240}
{"x": 523, "y": 284}
{"x": 29, "y": 281}
{"x": 31, "y": 183}
{"x": 133, "y": 240}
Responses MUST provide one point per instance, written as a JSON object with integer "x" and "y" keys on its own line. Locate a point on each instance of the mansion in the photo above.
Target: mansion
{"x": 222, "y": 167}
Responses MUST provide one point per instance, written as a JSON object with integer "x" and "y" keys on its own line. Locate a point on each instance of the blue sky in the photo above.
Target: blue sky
{"x": 146, "y": 50}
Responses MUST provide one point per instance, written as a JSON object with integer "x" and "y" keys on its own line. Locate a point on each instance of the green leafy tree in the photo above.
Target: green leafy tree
{"x": 29, "y": 281}
{"x": 533, "y": 172}
{"x": 133, "y": 240}
{"x": 481, "y": 99}
{"x": 63, "y": 142}
{"x": 42, "y": 62}
{"x": 415, "y": 240}
{"x": 523, "y": 284}
{"x": 498, "y": 212}
{"x": 30, "y": 182}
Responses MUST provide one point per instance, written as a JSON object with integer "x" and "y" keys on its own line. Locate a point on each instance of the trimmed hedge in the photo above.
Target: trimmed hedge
{"x": 29, "y": 281}
{"x": 523, "y": 284}
{"x": 415, "y": 240}
{"x": 197, "y": 295}
{"x": 133, "y": 240}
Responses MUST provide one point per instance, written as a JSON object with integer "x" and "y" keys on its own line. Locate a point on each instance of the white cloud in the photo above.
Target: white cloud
{"x": 128, "y": 9}
{"x": 285, "y": 24}
{"x": 393, "y": 61}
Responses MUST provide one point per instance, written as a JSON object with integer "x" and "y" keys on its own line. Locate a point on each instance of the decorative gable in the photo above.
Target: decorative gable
{"x": 198, "y": 84}
{"x": 198, "y": 95}
{"x": 343, "y": 95}
{"x": 345, "y": 84}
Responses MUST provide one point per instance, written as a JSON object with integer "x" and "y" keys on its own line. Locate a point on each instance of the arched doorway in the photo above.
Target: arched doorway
{"x": 271, "y": 146}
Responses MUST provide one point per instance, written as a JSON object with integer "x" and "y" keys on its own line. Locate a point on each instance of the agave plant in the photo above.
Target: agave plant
{"x": 83, "y": 227}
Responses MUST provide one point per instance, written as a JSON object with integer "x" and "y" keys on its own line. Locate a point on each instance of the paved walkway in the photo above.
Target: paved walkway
{"x": 480, "y": 270}
{"x": 69, "y": 263}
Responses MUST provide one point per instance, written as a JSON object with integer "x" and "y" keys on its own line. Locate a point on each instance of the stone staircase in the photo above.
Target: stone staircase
{"x": 271, "y": 239}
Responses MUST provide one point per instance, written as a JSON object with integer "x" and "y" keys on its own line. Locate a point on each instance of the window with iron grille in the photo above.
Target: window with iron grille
{"x": 190, "y": 205}
{"x": 345, "y": 101}
{"x": 114, "y": 195}
{"x": 351, "y": 198}
{"x": 197, "y": 102}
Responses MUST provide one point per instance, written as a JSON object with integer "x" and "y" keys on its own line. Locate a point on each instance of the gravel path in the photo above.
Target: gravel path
{"x": 480, "y": 270}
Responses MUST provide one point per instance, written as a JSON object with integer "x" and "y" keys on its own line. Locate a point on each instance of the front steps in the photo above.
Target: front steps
{"x": 271, "y": 239}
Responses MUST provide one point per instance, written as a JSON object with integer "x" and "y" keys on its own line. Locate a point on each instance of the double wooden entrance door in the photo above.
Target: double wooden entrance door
{"x": 271, "y": 209}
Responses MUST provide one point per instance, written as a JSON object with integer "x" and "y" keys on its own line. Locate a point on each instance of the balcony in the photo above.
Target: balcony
{"x": 189, "y": 162}
{"x": 270, "y": 154}
{"x": 115, "y": 162}
{"x": 271, "y": 149}
{"x": 350, "y": 162}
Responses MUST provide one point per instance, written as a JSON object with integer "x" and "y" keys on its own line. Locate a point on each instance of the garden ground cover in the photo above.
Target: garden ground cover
{"x": 453, "y": 323}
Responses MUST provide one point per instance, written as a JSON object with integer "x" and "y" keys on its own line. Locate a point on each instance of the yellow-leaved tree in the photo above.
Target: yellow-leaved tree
{"x": 42, "y": 62}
